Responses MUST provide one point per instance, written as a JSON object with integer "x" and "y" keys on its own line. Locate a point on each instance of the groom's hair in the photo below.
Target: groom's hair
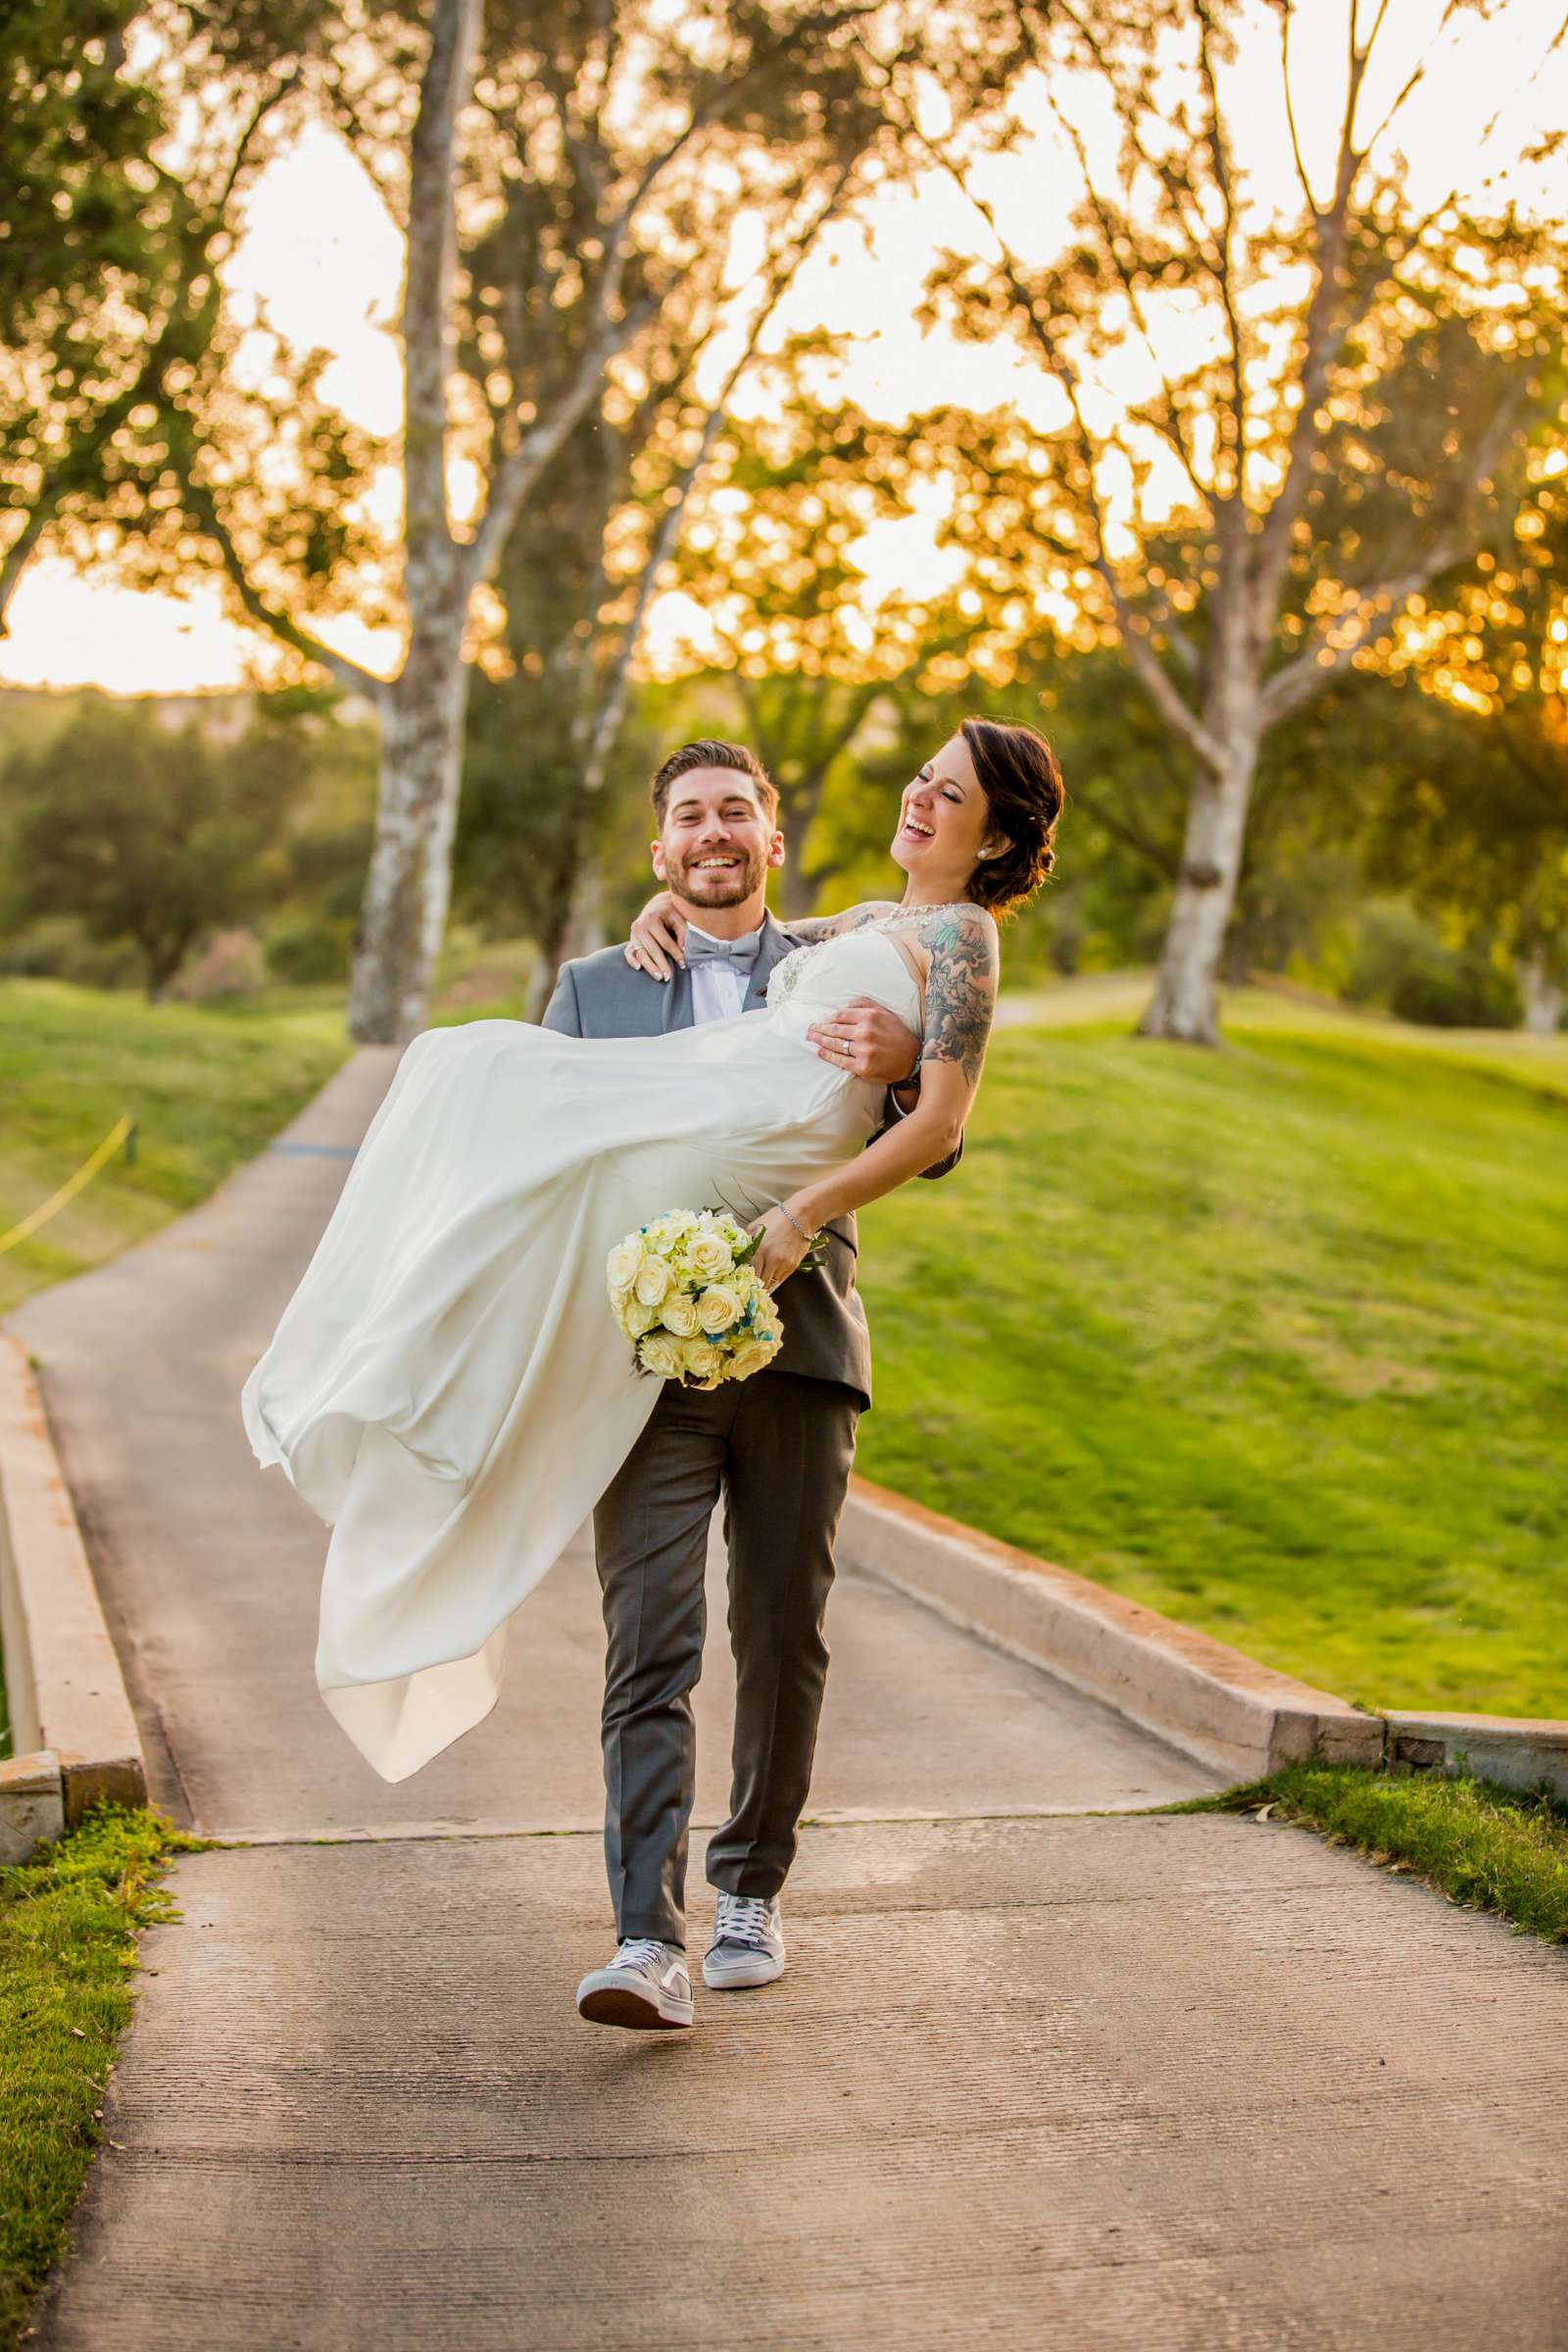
{"x": 711, "y": 753}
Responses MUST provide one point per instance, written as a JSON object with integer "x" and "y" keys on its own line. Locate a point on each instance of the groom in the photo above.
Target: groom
{"x": 779, "y": 1445}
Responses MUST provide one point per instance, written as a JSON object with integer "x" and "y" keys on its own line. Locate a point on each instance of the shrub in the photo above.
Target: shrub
{"x": 1400, "y": 961}
{"x": 309, "y": 949}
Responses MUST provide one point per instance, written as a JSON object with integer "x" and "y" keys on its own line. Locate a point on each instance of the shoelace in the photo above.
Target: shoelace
{"x": 643, "y": 1951}
{"x": 742, "y": 1919}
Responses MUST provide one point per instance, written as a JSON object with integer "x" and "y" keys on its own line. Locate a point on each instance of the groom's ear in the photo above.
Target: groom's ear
{"x": 775, "y": 850}
{"x": 656, "y": 851}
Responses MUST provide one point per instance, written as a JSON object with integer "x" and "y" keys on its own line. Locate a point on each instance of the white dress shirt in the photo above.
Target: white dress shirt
{"x": 719, "y": 987}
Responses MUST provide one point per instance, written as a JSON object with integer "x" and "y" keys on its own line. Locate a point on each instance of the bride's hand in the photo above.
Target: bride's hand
{"x": 782, "y": 1248}
{"x": 658, "y": 938}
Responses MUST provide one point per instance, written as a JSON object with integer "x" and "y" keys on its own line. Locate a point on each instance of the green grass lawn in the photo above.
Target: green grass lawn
{"x": 208, "y": 1086}
{"x": 1269, "y": 1339}
{"x": 68, "y": 1947}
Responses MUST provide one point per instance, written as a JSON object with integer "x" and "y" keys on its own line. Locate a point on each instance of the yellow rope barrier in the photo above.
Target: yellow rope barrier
{"x": 73, "y": 1185}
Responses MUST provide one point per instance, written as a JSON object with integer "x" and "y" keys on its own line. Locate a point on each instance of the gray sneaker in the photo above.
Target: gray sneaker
{"x": 748, "y": 1946}
{"x": 646, "y": 1987}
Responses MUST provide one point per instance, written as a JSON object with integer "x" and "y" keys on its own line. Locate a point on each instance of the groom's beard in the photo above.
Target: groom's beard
{"x": 716, "y": 886}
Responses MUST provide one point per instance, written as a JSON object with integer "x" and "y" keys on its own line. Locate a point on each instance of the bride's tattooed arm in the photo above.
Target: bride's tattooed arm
{"x": 960, "y": 994}
{"x": 809, "y": 928}
{"x": 961, "y": 990}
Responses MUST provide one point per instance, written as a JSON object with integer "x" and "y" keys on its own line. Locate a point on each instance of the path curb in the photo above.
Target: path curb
{"x": 71, "y": 1721}
{"x": 1519, "y": 1751}
{"x": 1205, "y": 1697}
{"x": 1202, "y": 1697}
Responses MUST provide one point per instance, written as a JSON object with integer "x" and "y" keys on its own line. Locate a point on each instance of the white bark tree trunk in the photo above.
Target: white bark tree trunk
{"x": 1186, "y": 1001}
{"x": 1185, "y": 998}
{"x": 1543, "y": 995}
{"x": 403, "y": 913}
{"x": 404, "y": 909}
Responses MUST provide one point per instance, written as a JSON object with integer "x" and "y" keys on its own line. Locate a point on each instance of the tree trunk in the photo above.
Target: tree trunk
{"x": 575, "y": 927}
{"x": 586, "y": 933}
{"x": 1186, "y": 1000}
{"x": 552, "y": 956}
{"x": 798, "y": 891}
{"x": 1545, "y": 996}
{"x": 797, "y": 894}
{"x": 162, "y": 960}
{"x": 404, "y": 909}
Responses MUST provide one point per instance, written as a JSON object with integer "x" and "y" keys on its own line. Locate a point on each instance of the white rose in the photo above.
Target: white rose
{"x": 748, "y": 1357}
{"x": 620, "y": 1267}
{"x": 709, "y": 1255}
{"x": 636, "y": 1318}
{"x": 679, "y": 1314}
{"x": 652, "y": 1282}
{"x": 661, "y": 1354}
{"x": 719, "y": 1309}
{"x": 702, "y": 1360}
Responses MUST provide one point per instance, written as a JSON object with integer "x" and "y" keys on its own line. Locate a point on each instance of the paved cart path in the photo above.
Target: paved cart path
{"x": 1038, "y": 2073}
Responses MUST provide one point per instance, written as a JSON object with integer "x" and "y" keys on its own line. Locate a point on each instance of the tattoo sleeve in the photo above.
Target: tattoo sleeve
{"x": 812, "y": 927}
{"x": 960, "y": 991}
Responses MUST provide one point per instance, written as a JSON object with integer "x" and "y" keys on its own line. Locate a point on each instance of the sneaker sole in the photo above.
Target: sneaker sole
{"x": 741, "y": 1976}
{"x": 617, "y": 2005}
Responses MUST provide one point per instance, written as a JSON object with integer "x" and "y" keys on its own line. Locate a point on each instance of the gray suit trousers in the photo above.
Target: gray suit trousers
{"x": 780, "y": 1448}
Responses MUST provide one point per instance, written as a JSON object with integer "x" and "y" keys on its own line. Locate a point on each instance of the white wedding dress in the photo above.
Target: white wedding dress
{"x": 447, "y": 1386}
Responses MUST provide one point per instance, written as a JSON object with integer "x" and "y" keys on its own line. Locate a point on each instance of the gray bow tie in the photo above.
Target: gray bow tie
{"x": 742, "y": 951}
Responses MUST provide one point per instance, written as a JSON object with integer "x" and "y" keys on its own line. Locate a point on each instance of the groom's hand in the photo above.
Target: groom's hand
{"x": 867, "y": 1041}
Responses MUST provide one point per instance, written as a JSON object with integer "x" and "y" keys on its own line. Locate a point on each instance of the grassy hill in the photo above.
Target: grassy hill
{"x": 1269, "y": 1339}
{"x": 208, "y": 1086}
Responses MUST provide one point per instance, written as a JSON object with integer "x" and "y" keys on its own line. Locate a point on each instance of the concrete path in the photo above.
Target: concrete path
{"x": 1037, "y": 2074}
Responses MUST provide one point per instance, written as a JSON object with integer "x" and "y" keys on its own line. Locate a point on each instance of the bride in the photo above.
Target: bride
{"x": 447, "y": 1387}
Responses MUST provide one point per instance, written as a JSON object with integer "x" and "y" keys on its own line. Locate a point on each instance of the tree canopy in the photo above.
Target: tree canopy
{"x": 1317, "y": 382}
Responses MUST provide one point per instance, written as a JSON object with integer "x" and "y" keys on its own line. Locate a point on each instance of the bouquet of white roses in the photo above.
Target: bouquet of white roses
{"x": 684, "y": 1293}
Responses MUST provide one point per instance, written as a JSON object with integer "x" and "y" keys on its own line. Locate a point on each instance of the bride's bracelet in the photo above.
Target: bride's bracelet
{"x": 807, "y": 1237}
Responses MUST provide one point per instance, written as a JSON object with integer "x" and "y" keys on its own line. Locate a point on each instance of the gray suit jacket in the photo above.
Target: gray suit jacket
{"x": 825, "y": 1335}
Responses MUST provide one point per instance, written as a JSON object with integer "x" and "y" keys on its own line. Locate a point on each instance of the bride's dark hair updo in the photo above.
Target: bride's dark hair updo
{"x": 1022, "y": 783}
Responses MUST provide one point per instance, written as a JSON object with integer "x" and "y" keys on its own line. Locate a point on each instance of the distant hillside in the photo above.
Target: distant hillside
{"x": 30, "y": 714}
